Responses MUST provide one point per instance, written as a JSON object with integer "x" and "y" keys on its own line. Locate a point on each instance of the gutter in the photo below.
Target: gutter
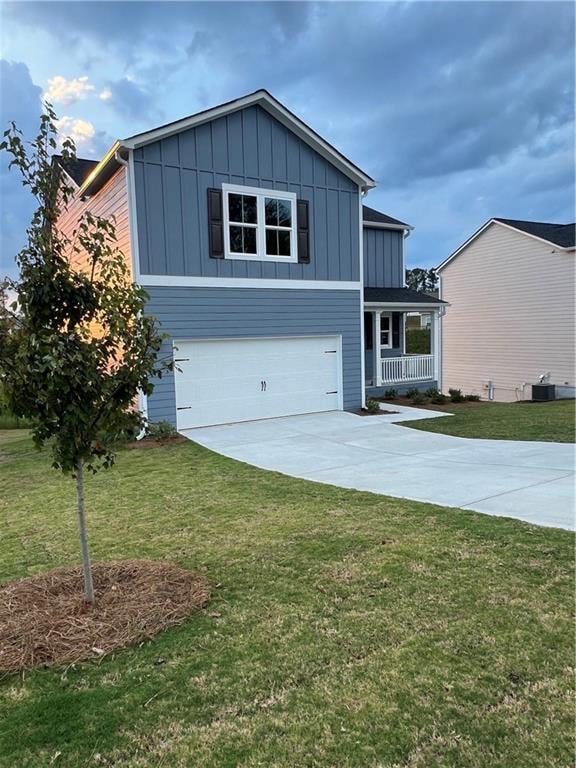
{"x": 107, "y": 164}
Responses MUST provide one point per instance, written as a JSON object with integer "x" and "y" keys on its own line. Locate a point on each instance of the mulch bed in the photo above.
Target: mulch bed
{"x": 366, "y": 412}
{"x": 44, "y": 619}
{"x": 448, "y": 406}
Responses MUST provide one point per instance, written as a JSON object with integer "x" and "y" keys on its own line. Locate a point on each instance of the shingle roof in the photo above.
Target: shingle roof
{"x": 559, "y": 234}
{"x": 374, "y": 216}
{"x": 78, "y": 170}
{"x": 399, "y": 296}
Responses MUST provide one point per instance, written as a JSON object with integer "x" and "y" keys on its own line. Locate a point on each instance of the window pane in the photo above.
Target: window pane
{"x": 249, "y": 209}
{"x": 385, "y": 322}
{"x": 385, "y": 339}
{"x": 278, "y": 212}
{"x": 284, "y": 213}
{"x": 249, "y": 240}
{"x": 272, "y": 242}
{"x": 235, "y": 207}
{"x": 271, "y": 208}
{"x": 283, "y": 243}
{"x": 236, "y": 239}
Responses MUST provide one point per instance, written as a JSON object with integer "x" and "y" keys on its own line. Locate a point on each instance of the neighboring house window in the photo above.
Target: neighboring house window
{"x": 259, "y": 224}
{"x": 385, "y": 330}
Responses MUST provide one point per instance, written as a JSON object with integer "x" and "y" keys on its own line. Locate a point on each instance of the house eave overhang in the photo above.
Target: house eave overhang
{"x": 404, "y": 307}
{"x": 382, "y": 225}
{"x": 105, "y": 169}
{"x": 478, "y": 232}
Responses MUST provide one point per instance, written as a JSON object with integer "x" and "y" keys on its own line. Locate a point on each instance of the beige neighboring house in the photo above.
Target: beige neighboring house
{"x": 511, "y": 291}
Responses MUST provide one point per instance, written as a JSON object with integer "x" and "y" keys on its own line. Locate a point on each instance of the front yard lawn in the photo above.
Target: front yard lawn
{"x": 346, "y": 630}
{"x": 548, "y": 422}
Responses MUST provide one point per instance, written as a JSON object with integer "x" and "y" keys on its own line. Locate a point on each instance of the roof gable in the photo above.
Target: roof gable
{"x": 561, "y": 232}
{"x": 557, "y": 234}
{"x": 274, "y": 108}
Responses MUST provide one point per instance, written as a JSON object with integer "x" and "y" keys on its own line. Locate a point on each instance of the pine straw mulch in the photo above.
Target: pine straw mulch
{"x": 44, "y": 619}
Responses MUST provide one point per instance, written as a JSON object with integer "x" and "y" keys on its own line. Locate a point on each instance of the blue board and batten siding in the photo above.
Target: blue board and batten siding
{"x": 249, "y": 148}
{"x": 212, "y": 313}
{"x": 383, "y": 258}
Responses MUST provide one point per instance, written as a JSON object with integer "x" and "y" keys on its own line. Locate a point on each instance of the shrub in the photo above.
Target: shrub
{"x": 432, "y": 392}
{"x": 160, "y": 430}
{"x": 373, "y": 406}
{"x": 439, "y": 399}
{"x": 472, "y": 398}
{"x": 456, "y": 395}
{"x": 391, "y": 394}
{"x": 413, "y": 392}
{"x": 418, "y": 398}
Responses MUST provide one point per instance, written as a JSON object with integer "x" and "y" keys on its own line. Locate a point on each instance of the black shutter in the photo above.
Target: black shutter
{"x": 396, "y": 330}
{"x": 215, "y": 224}
{"x": 303, "y": 232}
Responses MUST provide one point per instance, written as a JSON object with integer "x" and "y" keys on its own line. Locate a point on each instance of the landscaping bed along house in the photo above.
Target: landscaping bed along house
{"x": 344, "y": 629}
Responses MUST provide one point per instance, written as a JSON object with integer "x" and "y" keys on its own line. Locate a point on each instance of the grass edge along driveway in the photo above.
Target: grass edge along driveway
{"x": 346, "y": 629}
{"x": 547, "y": 422}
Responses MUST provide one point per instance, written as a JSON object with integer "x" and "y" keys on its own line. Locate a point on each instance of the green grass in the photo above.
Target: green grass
{"x": 346, "y": 630}
{"x": 549, "y": 422}
{"x": 9, "y": 421}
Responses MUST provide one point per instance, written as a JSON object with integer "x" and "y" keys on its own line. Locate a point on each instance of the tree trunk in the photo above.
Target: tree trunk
{"x": 86, "y": 564}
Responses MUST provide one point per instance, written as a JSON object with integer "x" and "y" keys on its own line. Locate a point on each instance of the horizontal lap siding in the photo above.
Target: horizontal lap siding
{"x": 249, "y": 148}
{"x": 110, "y": 201}
{"x": 383, "y": 258}
{"x": 211, "y": 313}
{"x": 511, "y": 315}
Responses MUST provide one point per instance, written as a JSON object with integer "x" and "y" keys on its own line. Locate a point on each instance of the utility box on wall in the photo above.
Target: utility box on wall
{"x": 542, "y": 392}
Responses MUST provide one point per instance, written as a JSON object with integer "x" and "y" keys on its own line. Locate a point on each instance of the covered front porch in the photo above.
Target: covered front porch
{"x": 401, "y": 340}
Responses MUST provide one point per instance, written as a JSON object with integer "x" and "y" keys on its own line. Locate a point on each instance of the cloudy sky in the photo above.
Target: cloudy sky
{"x": 461, "y": 111}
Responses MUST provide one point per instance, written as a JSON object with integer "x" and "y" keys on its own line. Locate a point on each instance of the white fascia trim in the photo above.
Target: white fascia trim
{"x": 506, "y": 226}
{"x": 278, "y": 111}
{"x": 381, "y": 225}
{"x": 401, "y": 307}
{"x": 184, "y": 281}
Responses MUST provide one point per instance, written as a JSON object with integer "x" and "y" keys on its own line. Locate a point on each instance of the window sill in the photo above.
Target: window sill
{"x": 264, "y": 259}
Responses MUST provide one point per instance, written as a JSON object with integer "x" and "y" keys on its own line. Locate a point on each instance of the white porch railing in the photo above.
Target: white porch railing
{"x": 395, "y": 370}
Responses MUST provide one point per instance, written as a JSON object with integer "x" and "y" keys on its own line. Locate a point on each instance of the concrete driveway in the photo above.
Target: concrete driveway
{"x": 527, "y": 481}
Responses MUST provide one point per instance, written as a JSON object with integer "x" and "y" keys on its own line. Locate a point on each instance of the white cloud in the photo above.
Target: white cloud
{"x": 67, "y": 92}
{"x": 81, "y": 131}
{"x": 105, "y": 95}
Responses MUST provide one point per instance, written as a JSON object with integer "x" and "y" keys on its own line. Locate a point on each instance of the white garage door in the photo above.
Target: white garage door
{"x": 220, "y": 382}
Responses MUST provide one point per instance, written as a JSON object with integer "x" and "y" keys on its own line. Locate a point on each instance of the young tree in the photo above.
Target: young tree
{"x": 425, "y": 280}
{"x": 76, "y": 346}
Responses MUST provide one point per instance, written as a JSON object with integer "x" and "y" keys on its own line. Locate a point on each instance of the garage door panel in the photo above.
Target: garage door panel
{"x": 222, "y": 381}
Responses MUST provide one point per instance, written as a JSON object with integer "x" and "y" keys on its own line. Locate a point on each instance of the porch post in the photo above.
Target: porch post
{"x": 376, "y": 345}
{"x": 435, "y": 345}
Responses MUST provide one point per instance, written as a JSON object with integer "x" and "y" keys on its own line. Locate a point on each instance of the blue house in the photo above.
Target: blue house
{"x": 280, "y": 291}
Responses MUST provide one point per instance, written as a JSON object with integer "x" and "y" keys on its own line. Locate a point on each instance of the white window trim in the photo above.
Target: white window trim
{"x": 259, "y": 193}
{"x": 389, "y": 330}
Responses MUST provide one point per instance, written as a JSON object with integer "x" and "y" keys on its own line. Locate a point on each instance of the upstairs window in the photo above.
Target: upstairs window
{"x": 259, "y": 224}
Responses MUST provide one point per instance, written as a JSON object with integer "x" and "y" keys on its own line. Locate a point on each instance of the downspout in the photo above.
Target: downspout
{"x": 118, "y": 157}
{"x": 363, "y": 192}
